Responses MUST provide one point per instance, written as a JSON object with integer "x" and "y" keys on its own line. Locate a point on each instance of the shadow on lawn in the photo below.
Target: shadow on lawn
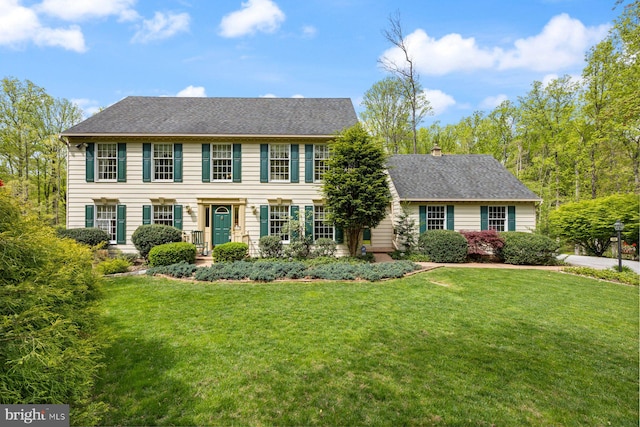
{"x": 136, "y": 385}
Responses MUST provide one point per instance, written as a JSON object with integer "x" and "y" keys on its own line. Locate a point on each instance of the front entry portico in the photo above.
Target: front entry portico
{"x": 222, "y": 219}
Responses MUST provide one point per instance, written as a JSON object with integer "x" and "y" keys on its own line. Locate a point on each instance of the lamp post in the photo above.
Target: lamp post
{"x": 619, "y": 226}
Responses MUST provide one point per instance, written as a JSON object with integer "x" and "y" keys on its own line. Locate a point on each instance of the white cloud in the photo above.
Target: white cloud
{"x": 268, "y": 95}
{"x": 439, "y": 100}
{"x": 562, "y": 43}
{"x": 309, "y": 31}
{"x": 20, "y": 25}
{"x": 89, "y": 107}
{"x": 297, "y": 95}
{"x": 161, "y": 26}
{"x": 78, "y": 10}
{"x": 255, "y": 15}
{"x": 491, "y": 102}
{"x": 192, "y": 91}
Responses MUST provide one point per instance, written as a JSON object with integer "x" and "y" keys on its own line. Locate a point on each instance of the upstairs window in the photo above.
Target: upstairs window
{"x": 107, "y": 162}
{"x": 279, "y": 162}
{"x": 320, "y": 157}
{"x": 221, "y": 162}
{"x": 163, "y": 162}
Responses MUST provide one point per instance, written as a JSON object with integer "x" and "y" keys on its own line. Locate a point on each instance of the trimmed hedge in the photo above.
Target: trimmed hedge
{"x": 443, "y": 246}
{"x": 172, "y": 253}
{"x": 86, "y": 236}
{"x": 527, "y": 249}
{"x": 271, "y": 247}
{"x": 232, "y": 251}
{"x": 147, "y": 236}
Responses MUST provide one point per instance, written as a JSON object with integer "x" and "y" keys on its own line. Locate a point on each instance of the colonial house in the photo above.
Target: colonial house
{"x": 237, "y": 169}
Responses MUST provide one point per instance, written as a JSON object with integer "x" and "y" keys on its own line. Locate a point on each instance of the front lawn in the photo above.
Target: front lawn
{"x": 447, "y": 347}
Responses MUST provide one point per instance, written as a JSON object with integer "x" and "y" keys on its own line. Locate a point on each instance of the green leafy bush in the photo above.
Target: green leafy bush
{"x": 86, "y": 236}
{"x": 147, "y": 236}
{"x": 443, "y": 246}
{"x": 626, "y": 277}
{"x": 270, "y": 247}
{"x": 527, "y": 249}
{"x": 113, "y": 266}
{"x": 232, "y": 251}
{"x": 172, "y": 253}
{"x": 48, "y": 319}
{"x": 324, "y": 248}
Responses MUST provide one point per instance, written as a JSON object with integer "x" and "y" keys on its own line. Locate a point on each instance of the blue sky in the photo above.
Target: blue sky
{"x": 470, "y": 54}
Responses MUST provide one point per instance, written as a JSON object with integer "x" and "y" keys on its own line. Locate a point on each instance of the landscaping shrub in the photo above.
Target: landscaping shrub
{"x": 528, "y": 249}
{"x": 86, "y": 236}
{"x": 626, "y": 277}
{"x": 113, "y": 266}
{"x": 48, "y": 320}
{"x": 443, "y": 245}
{"x": 270, "y": 247}
{"x": 172, "y": 253}
{"x": 324, "y": 248}
{"x": 482, "y": 244}
{"x": 299, "y": 248}
{"x": 232, "y": 251}
{"x": 147, "y": 236}
{"x": 179, "y": 270}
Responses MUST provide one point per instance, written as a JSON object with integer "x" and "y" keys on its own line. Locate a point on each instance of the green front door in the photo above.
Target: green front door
{"x": 221, "y": 225}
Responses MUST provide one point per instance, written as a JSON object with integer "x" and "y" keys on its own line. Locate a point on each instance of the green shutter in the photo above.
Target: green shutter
{"x": 295, "y": 163}
{"x": 366, "y": 235}
{"x": 177, "y": 216}
{"x": 264, "y": 162}
{"x": 122, "y": 162}
{"x": 206, "y": 163}
{"x": 308, "y": 163}
{"x": 237, "y": 162}
{"x": 484, "y": 217}
{"x": 308, "y": 222}
{"x": 423, "y": 219}
{"x": 121, "y": 225}
{"x": 177, "y": 162}
{"x": 146, "y": 214}
{"x": 339, "y": 235}
{"x": 264, "y": 220}
{"x": 88, "y": 216}
{"x": 511, "y": 218}
{"x": 146, "y": 162}
{"x": 450, "y": 218}
{"x": 89, "y": 162}
{"x": 295, "y": 216}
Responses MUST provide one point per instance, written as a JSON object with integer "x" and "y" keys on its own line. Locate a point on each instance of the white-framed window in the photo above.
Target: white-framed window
{"x": 107, "y": 161}
{"x": 163, "y": 215}
{"x": 436, "y": 217}
{"x": 278, "y": 220}
{"x": 221, "y": 162}
{"x": 497, "y": 218}
{"x": 106, "y": 219}
{"x": 321, "y": 228}
{"x": 320, "y": 157}
{"x": 163, "y": 162}
{"x": 279, "y": 162}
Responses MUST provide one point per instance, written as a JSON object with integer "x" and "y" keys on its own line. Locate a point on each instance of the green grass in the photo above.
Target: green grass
{"x": 449, "y": 347}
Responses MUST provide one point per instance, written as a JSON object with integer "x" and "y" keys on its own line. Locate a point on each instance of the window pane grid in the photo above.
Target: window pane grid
{"x": 279, "y": 162}
{"x": 163, "y": 162}
{"x": 221, "y": 162}
{"x": 106, "y": 220}
{"x": 497, "y": 218}
{"x": 278, "y": 218}
{"x": 321, "y": 229}
{"x": 107, "y": 160}
{"x": 435, "y": 217}
{"x": 320, "y": 156}
{"x": 163, "y": 214}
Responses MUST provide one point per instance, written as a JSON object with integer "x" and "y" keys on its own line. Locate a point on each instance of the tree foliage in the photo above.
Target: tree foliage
{"x": 355, "y": 184}
{"x": 589, "y": 223}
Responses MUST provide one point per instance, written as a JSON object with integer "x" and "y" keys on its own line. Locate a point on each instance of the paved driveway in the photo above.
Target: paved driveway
{"x": 598, "y": 262}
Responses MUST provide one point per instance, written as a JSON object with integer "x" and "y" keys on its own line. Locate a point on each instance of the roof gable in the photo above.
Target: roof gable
{"x": 462, "y": 177}
{"x": 220, "y": 116}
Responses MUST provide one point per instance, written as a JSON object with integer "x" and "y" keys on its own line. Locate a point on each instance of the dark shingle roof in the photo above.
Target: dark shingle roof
{"x": 220, "y": 116}
{"x": 455, "y": 178}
